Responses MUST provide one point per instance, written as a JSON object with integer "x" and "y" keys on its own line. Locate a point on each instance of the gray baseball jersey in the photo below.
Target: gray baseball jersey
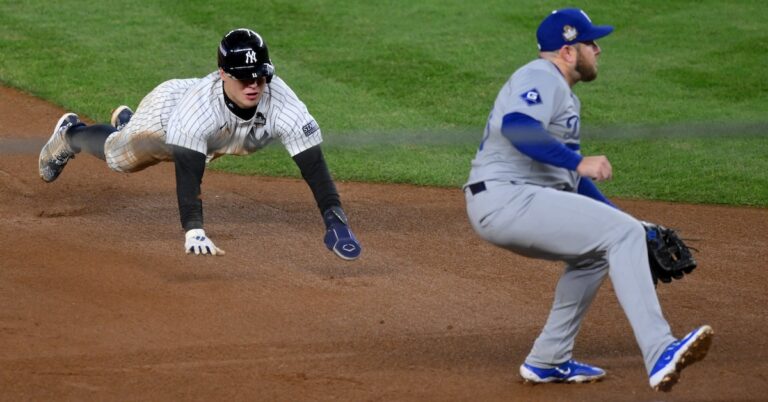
{"x": 539, "y": 90}
{"x": 519, "y": 204}
{"x": 191, "y": 113}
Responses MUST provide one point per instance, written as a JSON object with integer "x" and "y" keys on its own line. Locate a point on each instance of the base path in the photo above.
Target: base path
{"x": 99, "y": 302}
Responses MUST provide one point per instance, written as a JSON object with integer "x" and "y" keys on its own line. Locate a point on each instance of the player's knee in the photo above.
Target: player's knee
{"x": 632, "y": 229}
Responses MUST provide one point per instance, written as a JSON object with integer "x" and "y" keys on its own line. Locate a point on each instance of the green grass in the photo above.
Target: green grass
{"x": 401, "y": 89}
{"x": 697, "y": 170}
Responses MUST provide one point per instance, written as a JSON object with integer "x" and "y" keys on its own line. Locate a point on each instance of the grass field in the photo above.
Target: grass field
{"x": 402, "y": 89}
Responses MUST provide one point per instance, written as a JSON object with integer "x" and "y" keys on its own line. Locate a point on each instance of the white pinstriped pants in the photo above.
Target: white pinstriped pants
{"x": 141, "y": 143}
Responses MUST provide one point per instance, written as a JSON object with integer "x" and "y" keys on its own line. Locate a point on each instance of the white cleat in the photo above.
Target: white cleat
{"x": 57, "y": 151}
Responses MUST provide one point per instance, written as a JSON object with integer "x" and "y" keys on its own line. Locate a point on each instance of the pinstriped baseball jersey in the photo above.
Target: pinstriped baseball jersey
{"x": 539, "y": 90}
{"x": 192, "y": 113}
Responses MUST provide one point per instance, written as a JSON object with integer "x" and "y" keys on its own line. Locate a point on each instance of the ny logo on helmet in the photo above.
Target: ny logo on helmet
{"x": 250, "y": 57}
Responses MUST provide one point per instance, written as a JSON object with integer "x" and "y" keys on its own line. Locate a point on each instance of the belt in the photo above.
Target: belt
{"x": 478, "y": 187}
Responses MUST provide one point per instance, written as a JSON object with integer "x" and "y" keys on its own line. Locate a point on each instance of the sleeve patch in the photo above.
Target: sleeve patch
{"x": 310, "y": 128}
{"x": 531, "y": 97}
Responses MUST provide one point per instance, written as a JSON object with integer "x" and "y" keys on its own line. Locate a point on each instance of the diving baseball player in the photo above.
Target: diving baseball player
{"x": 236, "y": 110}
{"x": 530, "y": 191}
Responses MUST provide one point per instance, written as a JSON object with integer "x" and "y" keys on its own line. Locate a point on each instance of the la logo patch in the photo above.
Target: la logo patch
{"x": 531, "y": 97}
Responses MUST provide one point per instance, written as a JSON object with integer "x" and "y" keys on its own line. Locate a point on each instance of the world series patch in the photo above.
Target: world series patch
{"x": 310, "y": 128}
{"x": 531, "y": 97}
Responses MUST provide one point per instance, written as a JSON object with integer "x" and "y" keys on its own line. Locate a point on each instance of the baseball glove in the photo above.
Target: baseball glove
{"x": 669, "y": 257}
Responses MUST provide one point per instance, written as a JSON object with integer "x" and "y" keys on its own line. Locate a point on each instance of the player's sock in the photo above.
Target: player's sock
{"x": 90, "y": 139}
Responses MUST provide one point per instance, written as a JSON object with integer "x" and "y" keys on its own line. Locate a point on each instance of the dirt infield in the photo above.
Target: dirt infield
{"x": 99, "y": 302}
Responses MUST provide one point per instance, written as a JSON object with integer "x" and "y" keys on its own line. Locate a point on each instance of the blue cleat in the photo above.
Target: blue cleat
{"x": 570, "y": 371}
{"x": 679, "y": 355}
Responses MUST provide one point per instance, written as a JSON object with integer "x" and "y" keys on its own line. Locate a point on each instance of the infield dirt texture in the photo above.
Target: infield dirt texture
{"x": 98, "y": 301}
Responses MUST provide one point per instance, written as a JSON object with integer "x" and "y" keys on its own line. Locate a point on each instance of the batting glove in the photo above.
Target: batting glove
{"x": 198, "y": 243}
{"x": 338, "y": 237}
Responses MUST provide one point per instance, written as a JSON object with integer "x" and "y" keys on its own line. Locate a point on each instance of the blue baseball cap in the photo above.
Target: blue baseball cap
{"x": 566, "y": 27}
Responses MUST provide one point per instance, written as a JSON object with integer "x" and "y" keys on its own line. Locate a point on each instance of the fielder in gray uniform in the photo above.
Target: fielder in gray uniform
{"x": 531, "y": 191}
{"x": 236, "y": 110}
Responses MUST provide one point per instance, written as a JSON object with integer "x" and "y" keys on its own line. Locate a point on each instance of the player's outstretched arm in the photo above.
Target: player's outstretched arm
{"x": 190, "y": 166}
{"x": 338, "y": 235}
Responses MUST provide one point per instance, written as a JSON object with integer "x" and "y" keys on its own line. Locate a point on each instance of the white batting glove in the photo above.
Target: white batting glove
{"x": 198, "y": 243}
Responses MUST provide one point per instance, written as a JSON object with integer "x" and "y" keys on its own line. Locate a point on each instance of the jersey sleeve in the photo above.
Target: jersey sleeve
{"x": 299, "y": 133}
{"x": 535, "y": 93}
{"x": 294, "y": 125}
{"x": 192, "y": 122}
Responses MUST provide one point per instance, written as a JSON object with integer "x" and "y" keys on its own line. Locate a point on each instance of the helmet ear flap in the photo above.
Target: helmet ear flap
{"x": 267, "y": 71}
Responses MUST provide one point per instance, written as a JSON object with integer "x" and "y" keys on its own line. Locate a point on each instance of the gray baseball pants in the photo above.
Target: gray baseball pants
{"x": 593, "y": 239}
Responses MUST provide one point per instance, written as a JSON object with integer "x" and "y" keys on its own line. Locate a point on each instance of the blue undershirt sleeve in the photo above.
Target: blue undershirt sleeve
{"x": 529, "y": 137}
{"x": 588, "y": 188}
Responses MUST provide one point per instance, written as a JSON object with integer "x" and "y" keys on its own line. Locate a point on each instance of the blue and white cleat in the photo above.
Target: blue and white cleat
{"x": 570, "y": 371}
{"x": 679, "y": 355}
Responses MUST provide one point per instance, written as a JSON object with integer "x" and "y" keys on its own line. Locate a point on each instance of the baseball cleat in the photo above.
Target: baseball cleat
{"x": 679, "y": 355}
{"x": 570, "y": 371}
{"x": 121, "y": 116}
{"x": 57, "y": 151}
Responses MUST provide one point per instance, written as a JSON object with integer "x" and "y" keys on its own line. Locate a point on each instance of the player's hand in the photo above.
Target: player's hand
{"x": 595, "y": 167}
{"x": 198, "y": 243}
{"x": 338, "y": 237}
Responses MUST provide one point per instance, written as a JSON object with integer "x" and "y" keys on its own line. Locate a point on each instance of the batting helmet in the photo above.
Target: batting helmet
{"x": 243, "y": 54}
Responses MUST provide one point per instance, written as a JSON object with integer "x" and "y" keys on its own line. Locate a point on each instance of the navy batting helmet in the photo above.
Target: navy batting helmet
{"x": 243, "y": 54}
